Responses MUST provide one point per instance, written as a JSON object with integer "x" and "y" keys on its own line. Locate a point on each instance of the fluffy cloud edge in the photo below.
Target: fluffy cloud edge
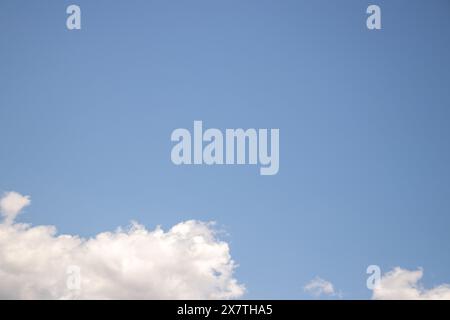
{"x": 186, "y": 262}
{"x": 404, "y": 284}
{"x": 396, "y": 284}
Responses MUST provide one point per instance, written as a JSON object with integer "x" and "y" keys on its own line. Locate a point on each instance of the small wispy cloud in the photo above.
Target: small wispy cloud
{"x": 11, "y": 204}
{"x": 319, "y": 287}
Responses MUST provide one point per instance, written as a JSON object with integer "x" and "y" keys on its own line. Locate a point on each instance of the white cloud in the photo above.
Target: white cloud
{"x": 404, "y": 284}
{"x": 185, "y": 262}
{"x": 318, "y": 287}
{"x": 11, "y": 204}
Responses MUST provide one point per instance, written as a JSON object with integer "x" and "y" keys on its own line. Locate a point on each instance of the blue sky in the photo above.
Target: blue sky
{"x": 86, "y": 118}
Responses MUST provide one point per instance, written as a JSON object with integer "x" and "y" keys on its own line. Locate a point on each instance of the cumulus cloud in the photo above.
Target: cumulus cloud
{"x": 185, "y": 262}
{"x": 402, "y": 284}
{"x": 318, "y": 287}
{"x": 11, "y": 204}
